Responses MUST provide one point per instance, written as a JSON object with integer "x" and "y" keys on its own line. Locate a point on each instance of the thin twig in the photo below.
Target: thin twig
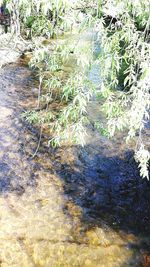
{"x": 39, "y": 142}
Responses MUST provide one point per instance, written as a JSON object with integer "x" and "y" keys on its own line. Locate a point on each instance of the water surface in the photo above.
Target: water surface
{"x": 69, "y": 206}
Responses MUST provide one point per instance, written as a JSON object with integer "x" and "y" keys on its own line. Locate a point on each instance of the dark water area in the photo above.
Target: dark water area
{"x": 70, "y": 206}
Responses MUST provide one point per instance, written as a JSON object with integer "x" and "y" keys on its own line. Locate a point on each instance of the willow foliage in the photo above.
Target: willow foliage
{"x": 123, "y": 29}
{"x": 125, "y": 72}
{"x": 123, "y": 32}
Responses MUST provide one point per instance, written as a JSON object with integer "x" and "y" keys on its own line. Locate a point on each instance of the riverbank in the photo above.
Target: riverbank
{"x": 11, "y": 48}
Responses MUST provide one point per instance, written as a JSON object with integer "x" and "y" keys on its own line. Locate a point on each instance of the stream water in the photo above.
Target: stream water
{"x": 70, "y": 206}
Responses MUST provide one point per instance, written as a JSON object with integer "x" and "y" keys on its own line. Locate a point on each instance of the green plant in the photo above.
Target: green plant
{"x": 123, "y": 32}
{"x": 126, "y": 53}
{"x": 71, "y": 91}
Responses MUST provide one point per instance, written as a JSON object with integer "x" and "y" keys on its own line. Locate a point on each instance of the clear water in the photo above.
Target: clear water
{"x": 70, "y": 206}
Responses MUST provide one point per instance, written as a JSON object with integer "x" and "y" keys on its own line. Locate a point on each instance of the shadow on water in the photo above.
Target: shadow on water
{"x": 109, "y": 191}
{"x": 109, "y": 186}
{"x": 104, "y": 203}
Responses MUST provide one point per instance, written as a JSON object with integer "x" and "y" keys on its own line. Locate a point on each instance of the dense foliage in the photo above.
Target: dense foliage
{"x": 122, "y": 29}
{"x": 125, "y": 72}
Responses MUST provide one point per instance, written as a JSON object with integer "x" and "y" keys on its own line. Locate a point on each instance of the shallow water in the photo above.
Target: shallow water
{"x": 70, "y": 206}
